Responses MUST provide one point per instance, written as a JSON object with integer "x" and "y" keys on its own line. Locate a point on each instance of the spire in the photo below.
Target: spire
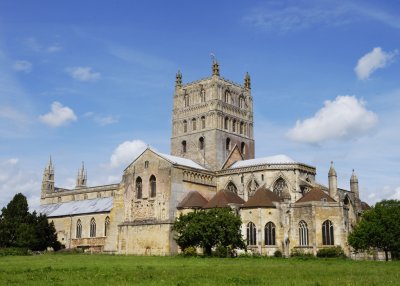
{"x": 332, "y": 180}
{"x": 48, "y": 179}
{"x": 178, "y": 79}
{"x": 353, "y": 178}
{"x": 332, "y": 171}
{"x": 81, "y": 177}
{"x": 215, "y": 66}
{"x": 247, "y": 84}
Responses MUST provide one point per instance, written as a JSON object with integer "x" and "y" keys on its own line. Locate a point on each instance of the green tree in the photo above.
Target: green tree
{"x": 207, "y": 229}
{"x": 378, "y": 228}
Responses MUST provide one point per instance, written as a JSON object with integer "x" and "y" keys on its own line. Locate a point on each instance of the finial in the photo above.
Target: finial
{"x": 178, "y": 79}
{"x": 247, "y": 84}
{"x": 332, "y": 171}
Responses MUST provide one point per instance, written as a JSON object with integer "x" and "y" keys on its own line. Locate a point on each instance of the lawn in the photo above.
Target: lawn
{"x": 81, "y": 269}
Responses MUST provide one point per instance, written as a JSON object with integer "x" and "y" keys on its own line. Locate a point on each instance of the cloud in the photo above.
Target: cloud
{"x": 54, "y": 48}
{"x": 83, "y": 73}
{"x": 23, "y": 66}
{"x": 126, "y": 152}
{"x": 376, "y": 59}
{"x": 102, "y": 120}
{"x": 59, "y": 115}
{"x": 395, "y": 194}
{"x": 12, "y": 114}
{"x": 34, "y": 44}
{"x": 345, "y": 117}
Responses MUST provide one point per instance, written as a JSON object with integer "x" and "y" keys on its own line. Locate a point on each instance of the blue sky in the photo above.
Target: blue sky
{"x": 93, "y": 81}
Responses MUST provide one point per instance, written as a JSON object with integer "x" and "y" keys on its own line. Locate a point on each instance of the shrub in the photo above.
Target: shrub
{"x": 221, "y": 251}
{"x": 278, "y": 253}
{"x": 14, "y": 251}
{"x": 298, "y": 252}
{"x": 330, "y": 252}
{"x": 190, "y": 251}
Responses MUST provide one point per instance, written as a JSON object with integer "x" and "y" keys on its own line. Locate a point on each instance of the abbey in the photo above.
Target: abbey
{"x": 211, "y": 165}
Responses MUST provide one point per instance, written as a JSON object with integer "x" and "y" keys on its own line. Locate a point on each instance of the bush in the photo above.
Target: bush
{"x": 190, "y": 251}
{"x": 278, "y": 253}
{"x": 221, "y": 251}
{"x": 331, "y": 252}
{"x": 298, "y": 252}
{"x": 15, "y": 251}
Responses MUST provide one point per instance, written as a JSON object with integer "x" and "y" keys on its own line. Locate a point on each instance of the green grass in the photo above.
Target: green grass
{"x": 81, "y": 269}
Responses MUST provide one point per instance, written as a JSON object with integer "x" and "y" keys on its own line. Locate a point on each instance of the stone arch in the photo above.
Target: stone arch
{"x": 252, "y": 185}
{"x": 230, "y": 186}
{"x": 281, "y": 187}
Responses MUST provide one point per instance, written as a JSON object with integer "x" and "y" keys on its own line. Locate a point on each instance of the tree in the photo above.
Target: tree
{"x": 207, "y": 229}
{"x": 19, "y": 228}
{"x": 378, "y": 228}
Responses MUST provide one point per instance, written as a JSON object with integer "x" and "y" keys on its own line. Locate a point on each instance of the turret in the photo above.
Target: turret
{"x": 247, "y": 85}
{"x": 81, "y": 178}
{"x": 178, "y": 79}
{"x": 354, "y": 184}
{"x": 215, "y": 67}
{"x": 332, "y": 178}
{"x": 48, "y": 179}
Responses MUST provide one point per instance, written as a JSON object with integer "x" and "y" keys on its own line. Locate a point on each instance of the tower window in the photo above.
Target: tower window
{"x": 228, "y": 144}
{"x": 194, "y": 124}
{"x": 186, "y": 99}
{"x": 203, "y": 122}
{"x": 146, "y": 164}
{"x": 243, "y": 148}
{"x": 183, "y": 146}
{"x": 226, "y": 123}
{"x": 241, "y": 128}
{"x": 234, "y": 126}
{"x": 227, "y": 95}
{"x": 202, "y": 95}
{"x": 184, "y": 126}
{"x": 241, "y": 102}
{"x": 201, "y": 143}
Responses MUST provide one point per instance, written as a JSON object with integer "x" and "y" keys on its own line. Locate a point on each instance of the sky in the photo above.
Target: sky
{"x": 93, "y": 81}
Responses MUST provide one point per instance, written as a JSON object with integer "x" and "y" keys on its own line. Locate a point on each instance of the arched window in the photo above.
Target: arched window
{"x": 241, "y": 128}
{"x": 92, "y": 227}
{"x": 79, "y": 229}
{"x": 183, "y": 146}
{"x": 243, "y": 148}
{"x": 269, "y": 232}
{"x": 227, "y": 95}
{"x": 106, "y": 226}
{"x": 280, "y": 187}
{"x": 241, "y": 102}
{"x": 226, "y": 123}
{"x": 203, "y": 122}
{"x": 186, "y": 99}
{"x": 231, "y": 187}
{"x": 251, "y": 234}
{"x": 234, "y": 126}
{"x": 139, "y": 188}
{"x": 184, "y": 126}
{"x": 153, "y": 186}
{"x": 303, "y": 233}
{"x": 194, "y": 124}
{"x": 327, "y": 233}
{"x": 228, "y": 144}
{"x": 202, "y": 95}
{"x": 201, "y": 143}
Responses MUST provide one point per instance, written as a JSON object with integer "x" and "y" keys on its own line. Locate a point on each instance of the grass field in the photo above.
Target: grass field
{"x": 80, "y": 269}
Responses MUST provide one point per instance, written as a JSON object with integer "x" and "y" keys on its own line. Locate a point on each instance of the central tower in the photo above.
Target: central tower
{"x": 211, "y": 116}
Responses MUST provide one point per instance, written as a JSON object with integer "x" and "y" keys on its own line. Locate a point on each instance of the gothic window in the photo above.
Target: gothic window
{"x": 183, "y": 146}
{"x": 184, "y": 126}
{"x": 231, "y": 187}
{"x": 203, "y": 95}
{"x": 228, "y": 144}
{"x": 280, "y": 187}
{"x": 106, "y": 226}
{"x": 139, "y": 188}
{"x": 327, "y": 233}
{"x": 303, "y": 233}
{"x": 186, "y": 99}
{"x": 153, "y": 183}
{"x": 251, "y": 234}
{"x": 92, "y": 227}
{"x": 252, "y": 187}
{"x": 78, "y": 229}
{"x": 241, "y": 128}
{"x": 203, "y": 122}
{"x": 243, "y": 148}
{"x": 234, "y": 126}
{"x": 226, "y": 123}
{"x": 241, "y": 102}
{"x": 269, "y": 232}
{"x": 194, "y": 124}
{"x": 201, "y": 143}
{"x": 227, "y": 95}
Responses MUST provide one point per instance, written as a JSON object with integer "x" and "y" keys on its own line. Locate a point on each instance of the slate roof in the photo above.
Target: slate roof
{"x": 277, "y": 159}
{"x": 315, "y": 195}
{"x": 180, "y": 161}
{"x": 262, "y": 198}
{"x": 222, "y": 199}
{"x": 192, "y": 200}
{"x": 99, "y": 205}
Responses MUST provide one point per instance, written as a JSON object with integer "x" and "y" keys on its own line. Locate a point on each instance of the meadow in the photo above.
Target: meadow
{"x": 83, "y": 269}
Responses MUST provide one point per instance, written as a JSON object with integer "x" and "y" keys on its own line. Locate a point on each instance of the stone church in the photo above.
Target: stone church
{"x": 211, "y": 165}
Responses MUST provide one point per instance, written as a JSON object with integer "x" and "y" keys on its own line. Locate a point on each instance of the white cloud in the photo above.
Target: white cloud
{"x": 345, "y": 117}
{"x": 101, "y": 120}
{"x": 23, "y": 66}
{"x": 12, "y": 161}
{"x": 395, "y": 194}
{"x": 58, "y": 115}
{"x": 126, "y": 152}
{"x": 83, "y": 73}
{"x": 376, "y": 59}
{"x": 54, "y": 48}
{"x": 12, "y": 114}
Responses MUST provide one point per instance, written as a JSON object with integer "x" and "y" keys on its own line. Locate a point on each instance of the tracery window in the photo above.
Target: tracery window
{"x": 138, "y": 188}
{"x": 201, "y": 143}
{"x": 92, "y": 227}
{"x": 106, "y": 226}
{"x": 280, "y": 186}
{"x": 153, "y": 186}
{"x": 303, "y": 233}
{"x": 251, "y": 234}
{"x": 269, "y": 232}
{"x": 231, "y": 187}
{"x": 184, "y": 126}
{"x": 327, "y": 233}
{"x": 183, "y": 146}
{"x": 203, "y": 122}
{"x": 79, "y": 229}
{"x": 194, "y": 124}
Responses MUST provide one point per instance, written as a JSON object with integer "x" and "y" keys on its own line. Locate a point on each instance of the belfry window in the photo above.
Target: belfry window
{"x": 153, "y": 186}
{"x": 251, "y": 234}
{"x": 194, "y": 124}
{"x": 186, "y": 99}
{"x": 79, "y": 229}
{"x": 243, "y": 148}
{"x": 201, "y": 143}
{"x": 184, "y": 126}
{"x": 234, "y": 126}
{"x": 241, "y": 102}
{"x": 202, "y": 95}
{"x": 183, "y": 146}
{"x": 138, "y": 188}
{"x": 228, "y": 144}
{"x": 303, "y": 233}
{"x": 226, "y": 123}
{"x": 327, "y": 233}
{"x": 106, "y": 226}
{"x": 241, "y": 128}
{"x": 269, "y": 232}
{"x": 203, "y": 122}
{"x": 92, "y": 227}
